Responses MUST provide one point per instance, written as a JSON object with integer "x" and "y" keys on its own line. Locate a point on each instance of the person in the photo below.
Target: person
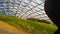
{"x": 52, "y": 9}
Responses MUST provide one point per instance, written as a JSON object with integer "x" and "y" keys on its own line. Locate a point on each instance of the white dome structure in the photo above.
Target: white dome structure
{"x": 9, "y": 7}
{"x": 24, "y": 8}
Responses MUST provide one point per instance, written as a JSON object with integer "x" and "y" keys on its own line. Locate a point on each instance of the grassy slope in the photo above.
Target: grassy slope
{"x": 29, "y": 26}
{"x": 5, "y": 28}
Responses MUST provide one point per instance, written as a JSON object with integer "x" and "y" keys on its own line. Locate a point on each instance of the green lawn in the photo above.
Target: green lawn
{"x": 29, "y": 26}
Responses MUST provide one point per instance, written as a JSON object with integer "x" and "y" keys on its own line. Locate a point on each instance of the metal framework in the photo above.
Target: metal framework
{"x": 24, "y": 8}
{"x": 9, "y": 7}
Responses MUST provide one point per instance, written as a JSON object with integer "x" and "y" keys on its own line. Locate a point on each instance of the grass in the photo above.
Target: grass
{"x": 5, "y": 28}
{"x": 29, "y": 26}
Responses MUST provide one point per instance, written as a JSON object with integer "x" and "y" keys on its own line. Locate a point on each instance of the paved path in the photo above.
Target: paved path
{"x": 8, "y": 29}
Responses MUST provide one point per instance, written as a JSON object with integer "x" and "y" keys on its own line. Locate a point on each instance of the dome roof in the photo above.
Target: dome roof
{"x": 24, "y": 8}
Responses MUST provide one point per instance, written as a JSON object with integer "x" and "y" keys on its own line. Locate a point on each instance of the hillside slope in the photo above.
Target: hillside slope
{"x": 29, "y": 26}
{"x": 8, "y": 29}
